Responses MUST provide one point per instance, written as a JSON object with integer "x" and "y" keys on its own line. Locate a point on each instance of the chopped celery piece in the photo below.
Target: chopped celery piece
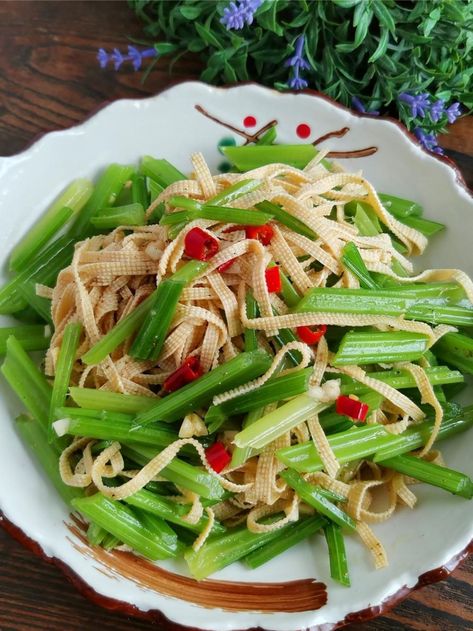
{"x": 64, "y": 365}
{"x": 311, "y": 495}
{"x": 434, "y": 474}
{"x": 70, "y": 202}
{"x": 359, "y": 347}
{"x": 239, "y": 370}
{"x": 456, "y": 349}
{"x": 296, "y": 533}
{"x": 110, "y": 218}
{"x": 400, "y": 207}
{"x": 119, "y": 520}
{"x": 250, "y": 157}
{"x": 276, "y": 423}
{"x": 106, "y": 190}
{"x": 110, "y": 401}
{"x": 161, "y": 171}
{"x": 32, "y": 337}
{"x": 281, "y": 215}
{"x": 168, "y": 511}
{"x": 351, "y": 258}
{"x": 337, "y": 554}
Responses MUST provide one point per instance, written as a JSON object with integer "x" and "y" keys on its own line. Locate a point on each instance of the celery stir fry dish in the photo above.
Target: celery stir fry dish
{"x": 236, "y": 362}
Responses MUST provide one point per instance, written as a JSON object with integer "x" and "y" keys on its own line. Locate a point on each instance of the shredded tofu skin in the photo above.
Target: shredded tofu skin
{"x": 111, "y": 275}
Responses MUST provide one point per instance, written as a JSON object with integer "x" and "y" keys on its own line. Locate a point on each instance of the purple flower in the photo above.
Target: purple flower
{"x": 103, "y": 58}
{"x": 359, "y": 107}
{"x": 419, "y": 103}
{"x": 296, "y": 82}
{"x": 428, "y": 141}
{"x": 453, "y": 112}
{"x": 134, "y": 55}
{"x": 437, "y": 109}
{"x": 297, "y": 60}
{"x": 236, "y": 16}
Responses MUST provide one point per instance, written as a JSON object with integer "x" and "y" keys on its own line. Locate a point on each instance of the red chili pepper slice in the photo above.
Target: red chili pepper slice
{"x": 225, "y": 266}
{"x": 217, "y": 456}
{"x": 273, "y": 280}
{"x": 311, "y": 334}
{"x": 189, "y": 371}
{"x": 263, "y": 233}
{"x": 200, "y": 245}
{"x": 357, "y": 410}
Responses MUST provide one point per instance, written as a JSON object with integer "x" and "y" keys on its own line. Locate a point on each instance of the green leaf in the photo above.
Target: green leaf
{"x": 207, "y": 36}
{"x": 190, "y": 11}
{"x": 268, "y": 20}
{"x": 382, "y": 46}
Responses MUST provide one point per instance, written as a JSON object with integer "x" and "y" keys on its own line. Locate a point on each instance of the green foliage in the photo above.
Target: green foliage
{"x": 372, "y": 49}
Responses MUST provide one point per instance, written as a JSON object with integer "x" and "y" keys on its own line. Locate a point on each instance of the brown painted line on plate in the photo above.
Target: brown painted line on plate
{"x": 339, "y": 133}
{"x": 288, "y": 597}
{"x": 356, "y": 153}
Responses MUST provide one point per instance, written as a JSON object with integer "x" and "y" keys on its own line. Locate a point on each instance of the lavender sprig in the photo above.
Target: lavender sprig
{"x": 437, "y": 110}
{"x": 428, "y": 141}
{"x": 134, "y": 55}
{"x": 298, "y": 63}
{"x": 453, "y": 112}
{"x": 418, "y": 103}
{"x": 237, "y": 15}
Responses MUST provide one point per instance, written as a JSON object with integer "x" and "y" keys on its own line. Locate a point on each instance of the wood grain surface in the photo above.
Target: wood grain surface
{"x": 49, "y": 79}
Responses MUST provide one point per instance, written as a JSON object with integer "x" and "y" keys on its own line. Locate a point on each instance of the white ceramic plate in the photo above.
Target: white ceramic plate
{"x": 437, "y": 532}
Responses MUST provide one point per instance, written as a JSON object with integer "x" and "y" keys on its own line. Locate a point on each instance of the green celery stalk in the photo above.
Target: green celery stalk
{"x": 276, "y": 423}
{"x": 43, "y": 268}
{"x": 239, "y": 370}
{"x": 217, "y": 213}
{"x": 220, "y": 551}
{"x": 27, "y": 381}
{"x": 426, "y": 226}
{"x": 337, "y": 554}
{"x": 366, "y": 222}
{"x": 296, "y": 533}
{"x": 268, "y": 137}
{"x": 70, "y": 202}
{"x": 250, "y": 157}
{"x": 275, "y": 389}
{"x": 110, "y": 218}
{"x": 65, "y": 363}
{"x": 400, "y": 207}
{"x": 162, "y": 531}
{"x": 152, "y": 334}
{"x": 95, "y": 534}
{"x": 286, "y": 219}
{"x": 434, "y": 474}
{"x": 178, "y": 472}
{"x": 139, "y": 191}
{"x": 373, "y": 440}
{"x": 251, "y": 340}
{"x": 161, "y": 171}
{"x": 42, "y": 306}
{"x": 241, "y": 454}
{"x": 119, "y": 520}
{"x": 32, "y": 337}
{"x": 108, "y": 426}
{"x": 234, "y": 192}
{"x": 187, "y": 203}
{"x": 34, "y": 436}
{"x": 110, "y": 401}
{"x": 401, "y": 379}
{"x": 359, "y": 347}
{"x": 351, "y": 258}
{"x": 169, "y": 511}
{"x": 454, "y": 422}
{"x": 419, "y": 302}
{"x": 312, "y": 496}
{"x": 105, "y": 193}
{"x": 456, "y": 349}
{"x": 120, "y": 332}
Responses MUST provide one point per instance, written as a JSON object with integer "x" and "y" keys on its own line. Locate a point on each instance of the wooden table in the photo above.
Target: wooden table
{"x": 49, "y": 79}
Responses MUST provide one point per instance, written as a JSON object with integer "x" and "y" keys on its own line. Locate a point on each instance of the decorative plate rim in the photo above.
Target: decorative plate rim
{"x": 155, "y": 615}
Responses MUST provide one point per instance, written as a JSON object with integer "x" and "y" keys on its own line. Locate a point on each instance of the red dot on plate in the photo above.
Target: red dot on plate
{"x": 249, "y": 121}
{"x": 303, "y": 130}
